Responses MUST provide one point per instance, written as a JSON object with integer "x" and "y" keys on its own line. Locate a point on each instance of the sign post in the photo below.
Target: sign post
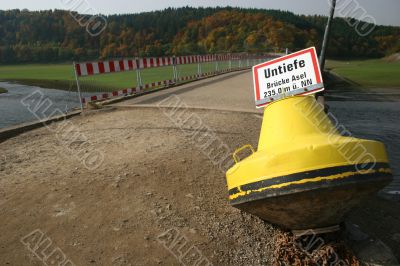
{"x": 139, "y": 83}
{"x": 327, "y": 35}
{"x": 293, "y": 74}
{"x": 78, "y": 86}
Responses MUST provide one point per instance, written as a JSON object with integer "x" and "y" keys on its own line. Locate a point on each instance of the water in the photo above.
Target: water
{"x": 375, "y": 117}
{"x": 13, "y": 112}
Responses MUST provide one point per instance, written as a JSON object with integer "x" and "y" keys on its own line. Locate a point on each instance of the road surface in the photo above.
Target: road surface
{"x": 110, "y": 186}
{"x": 233, "y": 91}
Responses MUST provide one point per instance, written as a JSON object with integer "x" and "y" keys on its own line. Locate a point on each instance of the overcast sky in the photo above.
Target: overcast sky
{"x": 385, "y": 12}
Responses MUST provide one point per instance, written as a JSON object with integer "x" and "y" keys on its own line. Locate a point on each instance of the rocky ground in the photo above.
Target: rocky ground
{"x": 156, "y": 183}
{"x": 152, "y": 180}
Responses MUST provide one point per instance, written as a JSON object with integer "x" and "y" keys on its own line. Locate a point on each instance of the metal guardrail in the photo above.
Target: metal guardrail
{"x": 202, "y": 66}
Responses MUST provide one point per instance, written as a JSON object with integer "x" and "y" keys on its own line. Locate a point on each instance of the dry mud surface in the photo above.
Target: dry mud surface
{"x": 154, "y": 179}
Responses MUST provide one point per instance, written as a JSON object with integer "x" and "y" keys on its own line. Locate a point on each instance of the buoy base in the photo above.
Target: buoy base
{"x": 316, "y": 231}
{"x": 323, "y": 206}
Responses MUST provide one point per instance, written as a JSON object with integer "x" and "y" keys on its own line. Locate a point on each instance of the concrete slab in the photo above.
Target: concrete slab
{"x": 231, "y": 91}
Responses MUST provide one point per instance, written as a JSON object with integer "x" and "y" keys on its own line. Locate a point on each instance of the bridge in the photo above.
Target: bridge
{"x": 117, "y": 185}
{"x": 231, "y": 91}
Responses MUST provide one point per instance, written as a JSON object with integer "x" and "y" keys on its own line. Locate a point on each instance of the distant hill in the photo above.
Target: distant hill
{"x": 51, "y": 36}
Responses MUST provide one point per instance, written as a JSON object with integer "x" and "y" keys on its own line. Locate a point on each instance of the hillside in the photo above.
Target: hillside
{"x": 51, "y": 36}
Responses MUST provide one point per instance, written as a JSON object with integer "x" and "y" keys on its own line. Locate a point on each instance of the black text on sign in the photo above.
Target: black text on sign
{"x": 294, "y": 74}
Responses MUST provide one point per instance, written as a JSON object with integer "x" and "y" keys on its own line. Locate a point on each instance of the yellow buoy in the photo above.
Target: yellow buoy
{"x": 306, "y": 174}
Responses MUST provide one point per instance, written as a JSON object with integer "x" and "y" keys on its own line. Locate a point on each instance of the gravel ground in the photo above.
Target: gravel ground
{"x": 153, "y": 179}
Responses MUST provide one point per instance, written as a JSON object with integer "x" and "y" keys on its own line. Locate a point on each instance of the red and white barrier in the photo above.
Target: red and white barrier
{"x": 94, "y": 68}
{"x": 164, "y": 83}
{"x": 85, "y": 69}
{"x": 130, "y": 91}
{"x": 125, "y": 92}
{"x": 103, "y": 67}
{"x": 108, "y": 95}
{"x": 155, "y": 62}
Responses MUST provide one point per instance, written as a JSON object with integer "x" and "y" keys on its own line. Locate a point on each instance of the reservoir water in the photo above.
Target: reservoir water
{"x": 13, "y": 112}
{"x": 372, "y": 114}
{"x": 376, "y": 121}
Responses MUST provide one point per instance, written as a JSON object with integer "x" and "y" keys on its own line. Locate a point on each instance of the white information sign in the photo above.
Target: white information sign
{"x": 294, "y": 74}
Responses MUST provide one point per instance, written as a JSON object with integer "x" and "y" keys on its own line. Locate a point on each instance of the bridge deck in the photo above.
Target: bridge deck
{"x": 155, "y": 176}
{"x": 233, "y": 91}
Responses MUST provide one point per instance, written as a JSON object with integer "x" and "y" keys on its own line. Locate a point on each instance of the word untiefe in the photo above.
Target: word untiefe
{"x": 278, "y": 83}
{"x": 284, "y": 68}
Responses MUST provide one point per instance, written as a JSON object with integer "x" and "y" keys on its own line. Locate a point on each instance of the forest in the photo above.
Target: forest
{"x": 55, "y": 36}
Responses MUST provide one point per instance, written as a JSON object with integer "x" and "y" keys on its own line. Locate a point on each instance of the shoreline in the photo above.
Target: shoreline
{"x": 371, "y": 74}
{"x": 64, "y": 85}
{"x": 338, "y": 83}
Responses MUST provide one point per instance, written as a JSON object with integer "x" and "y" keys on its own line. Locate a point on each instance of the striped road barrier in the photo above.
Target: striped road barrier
{"x": 86, "y": 69}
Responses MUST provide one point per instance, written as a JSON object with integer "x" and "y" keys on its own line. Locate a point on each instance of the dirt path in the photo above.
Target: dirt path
{"x": 152, "y": 180}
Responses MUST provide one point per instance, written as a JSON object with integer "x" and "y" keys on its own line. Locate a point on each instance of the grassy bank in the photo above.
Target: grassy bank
{"x": 61, "y": 76}
{"x": 2, "y": 90}
{"x": 47, "y": 75}
{"x": 368, "y": 73}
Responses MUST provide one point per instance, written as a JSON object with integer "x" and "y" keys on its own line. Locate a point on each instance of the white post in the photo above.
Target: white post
{"x": 175, "y": 70}
{"x": 199, "y": 69}
{"x": 139, "y": 82}
{"x": 78, "y": 86}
